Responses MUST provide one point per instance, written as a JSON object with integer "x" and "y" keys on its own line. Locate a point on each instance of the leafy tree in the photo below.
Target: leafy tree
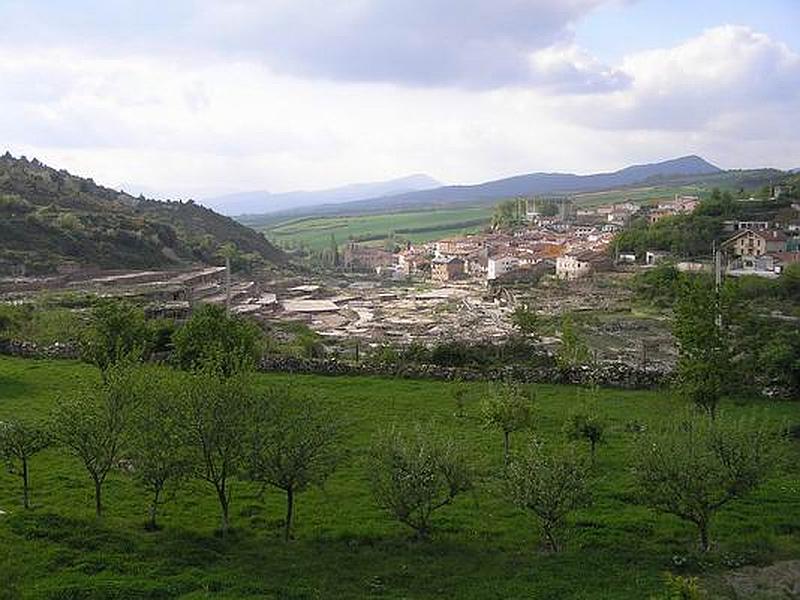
{"x": 414, "y": 475}
{"x": 19, "y": 442}
{"x": 509, "y": 408}
{"x": 334, "y": 251}
{"x": 525, "y": 321}
{"x": 659, "y": 285}
{"x": 550, "y": 484}
{"x": 232, "y": 255}
{"x": 460, "y": 394}
{"x": 508, "y": 214}
{"x": 217, "y": 412}
{"x": 548, "y": 209}
{"x": 294, "y": 444}
{"x": 92, "y": 425}
{"x": 117, "y": 332}
{"x": 573, "y": 350}
{"x": 700, "y": 327}
{"x": 718, "y": 204}
{"x": 779, "y": 358}
{"x": 790, "y": 281}
{"x": 212, "y": 339}
{"x": 693, "y": 467}
{"x": 158, "y": 446}
{"x": 586, "y": 425}
{"x": 7, "y": 319}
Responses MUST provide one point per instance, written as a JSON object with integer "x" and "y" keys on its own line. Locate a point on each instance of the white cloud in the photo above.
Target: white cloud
{"x": 215, "y": 124}
{"x": 730, "y": 78}
{"x": 566, "y": 68}
{"x": 473, "y": 44}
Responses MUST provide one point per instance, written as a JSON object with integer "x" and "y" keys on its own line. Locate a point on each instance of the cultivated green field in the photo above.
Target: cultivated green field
{"x": 641, "y": 195}
{"x": 423, "y": 226}
{"x": 482, "y": 547}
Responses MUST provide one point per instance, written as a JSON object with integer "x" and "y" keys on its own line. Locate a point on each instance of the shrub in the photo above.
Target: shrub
{"x": 693, "y": 466}
{"x": 550, "y": 484}
{"x": 414, "y": 475}
{"x": 212, "y": 339}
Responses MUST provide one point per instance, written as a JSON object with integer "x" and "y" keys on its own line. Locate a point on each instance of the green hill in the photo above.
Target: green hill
{"x": 49, "y": 218}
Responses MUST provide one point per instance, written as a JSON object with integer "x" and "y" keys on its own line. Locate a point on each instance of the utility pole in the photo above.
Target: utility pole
{"x": 718, "y": 281}
{"x": 228, "y": 284}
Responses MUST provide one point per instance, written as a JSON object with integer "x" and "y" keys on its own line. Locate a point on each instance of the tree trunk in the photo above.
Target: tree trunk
{"x": 25, "y": 485}
{"x": 151, "y": 524}
{"x": 224, "y": 505}
{"x": 594, "y": 447}
{"x": 703, "y": 527}
{"x": 551, "y": 539}
{"x": 98, "y": 504}
{"x": 287, "y": 531}
{"x": 506, "y": 446}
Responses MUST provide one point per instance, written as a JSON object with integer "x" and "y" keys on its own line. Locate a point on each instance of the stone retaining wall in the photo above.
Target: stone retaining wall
{"x": 31, "y": 350}
{"x": 617, "y": 375}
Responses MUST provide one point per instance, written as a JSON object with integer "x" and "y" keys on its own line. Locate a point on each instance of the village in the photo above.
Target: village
{"x": 557, "y": 259}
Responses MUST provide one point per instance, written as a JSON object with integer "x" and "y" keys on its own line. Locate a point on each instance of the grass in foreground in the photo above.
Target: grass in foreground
{"x": 345, "y": 547}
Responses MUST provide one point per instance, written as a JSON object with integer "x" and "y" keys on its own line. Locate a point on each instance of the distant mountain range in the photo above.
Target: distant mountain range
{"x": 520, "y": 185}
{"x": 263, "y": 202}
{"x": 50, "y": 219}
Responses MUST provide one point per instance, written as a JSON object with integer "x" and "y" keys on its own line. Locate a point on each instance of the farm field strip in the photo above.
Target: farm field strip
{"x": 419, "y": 226}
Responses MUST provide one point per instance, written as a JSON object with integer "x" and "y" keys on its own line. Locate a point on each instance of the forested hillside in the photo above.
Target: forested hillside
{"x": 50, "y": 218}
{"x": 692, "y": 235}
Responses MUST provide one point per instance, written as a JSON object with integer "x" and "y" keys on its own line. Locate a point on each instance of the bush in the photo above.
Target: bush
{"x": 414, "y": 475}
{"x": 212, "y": 339}
{"x": 694, "y": 466}
{"x": 550, "y": 484}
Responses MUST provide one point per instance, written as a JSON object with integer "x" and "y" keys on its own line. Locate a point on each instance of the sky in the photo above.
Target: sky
{"x": 193, "y": 98}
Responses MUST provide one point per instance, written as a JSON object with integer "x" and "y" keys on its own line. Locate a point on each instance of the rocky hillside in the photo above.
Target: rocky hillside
{"x": 50, "y": 219}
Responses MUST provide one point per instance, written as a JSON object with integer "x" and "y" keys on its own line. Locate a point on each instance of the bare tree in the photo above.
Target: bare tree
{"x": 416, "y": 474}
{"x": 92, "y": 425}
{"x": 217, "y": 413}
{"x": 294, "y": 444}
{"x": 550, "y": 484}
{"x": 509, "y": 408}
{"x": 693, "y": 467}
{"x": 18, "y": 443}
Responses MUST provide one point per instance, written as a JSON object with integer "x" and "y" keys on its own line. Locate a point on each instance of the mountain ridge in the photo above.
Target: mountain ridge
{"x": 50, "y": 219}
{"x": 525, "y": 184}
{"x": 245, "y": 203}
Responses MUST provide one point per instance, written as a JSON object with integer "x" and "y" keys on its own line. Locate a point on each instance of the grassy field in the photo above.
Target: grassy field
{"x": 345, "y": 547}
{"x": 641, "y": 195}
{"x": 424, "y": 226}
{"x": 315, "y": 232}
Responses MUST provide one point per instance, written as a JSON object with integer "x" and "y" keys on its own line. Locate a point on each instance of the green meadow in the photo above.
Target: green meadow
{"x": 345, "y": 547}
{"x": 421, "y": 226}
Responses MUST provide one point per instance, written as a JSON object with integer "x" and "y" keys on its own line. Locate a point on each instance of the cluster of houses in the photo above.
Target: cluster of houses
{"x": 761, "y": 248}
{"x": 680, "y": 205}
{"x": 572, "y": 243}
